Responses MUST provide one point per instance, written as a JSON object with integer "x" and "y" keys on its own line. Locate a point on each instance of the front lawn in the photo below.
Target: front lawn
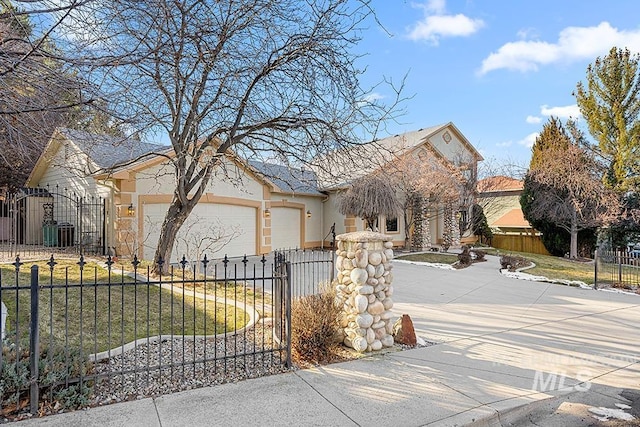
{"x": 96, "y": 317}
{"x": 553, "y": 267}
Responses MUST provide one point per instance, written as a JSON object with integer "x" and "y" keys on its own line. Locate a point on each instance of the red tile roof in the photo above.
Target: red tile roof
{"x": 514, "y": 219}
{"x": 499, "y": 183}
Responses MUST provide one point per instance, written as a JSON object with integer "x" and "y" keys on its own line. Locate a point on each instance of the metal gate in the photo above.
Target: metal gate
{"x": 36, "y": 222}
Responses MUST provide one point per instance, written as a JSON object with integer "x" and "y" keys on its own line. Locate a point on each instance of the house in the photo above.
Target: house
{"x": 499, "y": 197}
{"x": 250, "y": 207}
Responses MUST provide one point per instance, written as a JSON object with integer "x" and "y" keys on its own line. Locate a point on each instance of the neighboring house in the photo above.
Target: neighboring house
{"x": 499, "y": 197}
{"x": 249, "y": 207}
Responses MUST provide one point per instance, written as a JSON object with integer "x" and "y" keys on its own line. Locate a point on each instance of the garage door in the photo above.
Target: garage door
{"x": 285, "y": 228}
{"x": 212, "y": 229}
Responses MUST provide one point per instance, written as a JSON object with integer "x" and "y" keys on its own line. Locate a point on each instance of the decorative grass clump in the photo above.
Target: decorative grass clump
{"x": 314, "y": 327}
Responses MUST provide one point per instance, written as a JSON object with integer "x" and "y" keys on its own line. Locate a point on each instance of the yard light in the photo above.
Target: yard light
{"x": 308, "y": 214}
{"x": 267, "y": 213}
{"x": 131, "y": 210}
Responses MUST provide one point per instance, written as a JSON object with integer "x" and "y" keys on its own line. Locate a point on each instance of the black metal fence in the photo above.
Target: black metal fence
{"x": 310, "y": 269}
{"x": 38, "y": 221}
{"x": 88, "y": 332}
{"x": 617, "y": 268}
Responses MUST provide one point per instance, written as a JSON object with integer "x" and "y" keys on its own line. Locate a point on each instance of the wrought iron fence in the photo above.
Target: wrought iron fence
{"x": 35, "y": 222}
{"x": 310, "y": 269}
{"x": 95, "y": 332}
{"x": 617, "y": 268}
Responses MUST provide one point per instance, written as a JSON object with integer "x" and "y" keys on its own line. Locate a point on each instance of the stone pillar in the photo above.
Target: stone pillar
{"x": 364, "y": 288}
{"x": 421, "y": 238}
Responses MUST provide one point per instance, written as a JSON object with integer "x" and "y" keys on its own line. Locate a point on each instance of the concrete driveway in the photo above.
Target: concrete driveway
{"x": 518, "y": 338}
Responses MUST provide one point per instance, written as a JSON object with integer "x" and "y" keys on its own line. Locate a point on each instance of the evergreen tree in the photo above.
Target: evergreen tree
{"x": 563, "y": 190}
{"x": 610, "y": 104}
{"x": 479, "y": 225}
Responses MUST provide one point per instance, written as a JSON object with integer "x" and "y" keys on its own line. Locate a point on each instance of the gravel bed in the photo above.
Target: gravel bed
{"x": 156, "y": 377}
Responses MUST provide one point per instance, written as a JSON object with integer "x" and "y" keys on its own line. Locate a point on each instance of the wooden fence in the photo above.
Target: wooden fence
{"x": 521, "y": 242}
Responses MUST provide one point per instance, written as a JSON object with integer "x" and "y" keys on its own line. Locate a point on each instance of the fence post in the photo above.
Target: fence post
{"x": 287, "y": 299}
{"x": 34, "y": 342}
{"x": 595, "y": 268}
{"x": 619, "y": 266}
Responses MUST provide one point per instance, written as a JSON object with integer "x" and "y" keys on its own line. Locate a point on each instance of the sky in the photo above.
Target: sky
{"x": 497, "y": 69}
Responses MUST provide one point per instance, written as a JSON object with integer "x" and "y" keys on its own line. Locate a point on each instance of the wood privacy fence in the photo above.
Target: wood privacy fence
{"x": 521, "y": 242}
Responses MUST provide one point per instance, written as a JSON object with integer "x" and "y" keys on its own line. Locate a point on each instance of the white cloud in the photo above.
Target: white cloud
{"x": 529, "y": 140}
{"x": 533, "y": 119}
{"x": 438, "y": 7}
{"x": 573, "y": 44}
{"x": 373, "y": 96}
{"x": 437, "y": 24}
{"x": 504, "y": 144}
{"x": 569, "y": 111}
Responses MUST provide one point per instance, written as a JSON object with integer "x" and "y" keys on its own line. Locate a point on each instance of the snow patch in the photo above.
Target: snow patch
{"x": 607, "y": 414}
{"x": 428, "y": 264}
{"x": 526, "y": 276}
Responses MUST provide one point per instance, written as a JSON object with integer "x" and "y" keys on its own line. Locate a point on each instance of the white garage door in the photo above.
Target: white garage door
{"x": 285, "y": 228}
{"x": 212, "y": 229}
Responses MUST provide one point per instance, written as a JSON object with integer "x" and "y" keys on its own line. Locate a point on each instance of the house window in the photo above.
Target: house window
{"x": 391, "y": 225}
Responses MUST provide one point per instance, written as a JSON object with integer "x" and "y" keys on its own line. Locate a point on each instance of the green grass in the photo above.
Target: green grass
{"x": 96, "y": 318}
{"x": 547, "y": 266}
{"x": 553, "y": 267}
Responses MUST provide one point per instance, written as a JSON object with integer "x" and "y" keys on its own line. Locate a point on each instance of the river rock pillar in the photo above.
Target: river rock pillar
{"x": 364, "y": 289}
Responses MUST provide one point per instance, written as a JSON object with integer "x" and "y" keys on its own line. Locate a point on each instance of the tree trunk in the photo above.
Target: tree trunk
{"x": 176, "y": 215}
{"x": 573, "y": 246}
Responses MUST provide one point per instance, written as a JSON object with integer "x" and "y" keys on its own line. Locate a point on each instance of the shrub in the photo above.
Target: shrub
{"x": 314, "y": 327}
{"x": 480, "y": 254}
{"x": 464, "y": 258}
{"x": 513, "y": 262}
{"x": 55, "y": 365}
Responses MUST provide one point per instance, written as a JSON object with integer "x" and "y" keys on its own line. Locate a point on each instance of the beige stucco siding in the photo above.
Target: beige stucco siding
{"x": 495, "y": 207}
{"x": 229, "y": 181}
{"x": 68, "y": 170}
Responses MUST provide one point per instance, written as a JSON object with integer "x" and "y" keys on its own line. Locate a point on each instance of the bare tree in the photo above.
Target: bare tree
{"x": 196, "y": 241}
{"x": 422, "y": 179}
{"x": 567, "y": 188}
{"x": 261, "y": 77}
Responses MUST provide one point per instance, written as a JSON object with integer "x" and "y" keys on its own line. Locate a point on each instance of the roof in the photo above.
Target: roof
{"x": 512, "y": 219}
{"x": 287, "y": 179}
{"x": 499, "y": 183}
{"x": 343, "y": 166}
{"x": 408, "y": 140}
{"x": 108, "y": 151}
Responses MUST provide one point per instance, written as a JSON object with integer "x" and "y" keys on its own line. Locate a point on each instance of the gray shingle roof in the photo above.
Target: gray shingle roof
{"x": 288, "y": 179}
{"x": 343, "y": 166}
{"x": 109, "y": 151}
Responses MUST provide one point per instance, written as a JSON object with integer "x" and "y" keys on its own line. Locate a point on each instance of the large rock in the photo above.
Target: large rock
{"x": 403, "y": 331}
{"x": 359, "y": 276}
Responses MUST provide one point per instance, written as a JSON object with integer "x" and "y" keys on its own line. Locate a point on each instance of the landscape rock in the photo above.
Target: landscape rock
{"x": 403, "y": 331}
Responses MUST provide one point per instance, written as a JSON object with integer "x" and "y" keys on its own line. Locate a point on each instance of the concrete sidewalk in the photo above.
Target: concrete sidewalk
{"x": 506, "y": 352}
